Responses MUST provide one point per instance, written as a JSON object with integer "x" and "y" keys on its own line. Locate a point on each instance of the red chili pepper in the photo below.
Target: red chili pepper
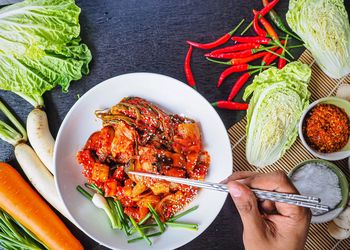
{"x": 234, "y": 69}
{"x": 187, "y": 67}
{"x": 252, "y": 39}
{"x": 265, "y": 59}
{"x": 281, "y": 63}
{"x": 236, "y": 61}
{"x": 268, "y": 7}
{"x": 237, "y": 47}
{"x": 259, "y": 31}
{"x": 273, "y": 56}
{"x": 240, "y": 54}
{"x": 270, "y": 30}
{"x": 217, "y": 42}
{"x": 239, "y": 84}
{"x": 230, "y": 105}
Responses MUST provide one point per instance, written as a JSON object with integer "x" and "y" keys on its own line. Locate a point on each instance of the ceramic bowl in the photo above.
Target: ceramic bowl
{"x": 345, "y": 151}
{"x": 344, "y": 186}
{"x": 174, "y": 97}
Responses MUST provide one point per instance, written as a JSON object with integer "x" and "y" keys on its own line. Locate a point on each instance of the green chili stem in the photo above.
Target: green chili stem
{"x": 148, "y": 235}
{"x": 237, "y": 27}
{"x": 272, "y": 52}
{"x": 284, "y": 50}
{"x": 84, "y": 192}
{"x": 219, "y": 62}
{"x": 247, "y": 28}
{"x": 285, "y": 44}
{"x": 183, "y": 214}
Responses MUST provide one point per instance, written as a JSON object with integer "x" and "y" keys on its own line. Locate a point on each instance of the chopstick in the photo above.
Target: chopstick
{"x": 293, "y": 199}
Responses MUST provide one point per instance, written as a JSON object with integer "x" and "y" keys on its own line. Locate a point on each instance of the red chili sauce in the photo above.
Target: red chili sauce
{"x": 327, "y": 128}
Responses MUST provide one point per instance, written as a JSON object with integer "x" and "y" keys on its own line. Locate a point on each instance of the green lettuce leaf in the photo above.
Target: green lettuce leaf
{"x": 40, "y": 47}
{"x": 280, "y": 97}
{"x": 324, "y": 27}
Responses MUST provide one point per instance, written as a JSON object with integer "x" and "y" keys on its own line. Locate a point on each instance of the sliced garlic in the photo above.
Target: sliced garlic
{"x": 343, "y": 219}
{"x": 338, "y": 232}
{"x": 344, "y": 91}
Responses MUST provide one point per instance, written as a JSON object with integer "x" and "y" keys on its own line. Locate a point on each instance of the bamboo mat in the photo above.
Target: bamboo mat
{"x": 320, "y": 86}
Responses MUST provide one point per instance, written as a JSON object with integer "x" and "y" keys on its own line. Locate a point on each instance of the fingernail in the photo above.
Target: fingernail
{"x": 241, "y": 180}
{"x": 235, "y": 190}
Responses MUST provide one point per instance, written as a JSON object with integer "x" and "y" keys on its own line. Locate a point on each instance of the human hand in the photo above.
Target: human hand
{"x": 268, "y": 225}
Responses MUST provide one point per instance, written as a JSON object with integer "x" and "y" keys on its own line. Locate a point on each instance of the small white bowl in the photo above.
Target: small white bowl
{"x": 343, "y": 184}
{"x": 345, "y": 151}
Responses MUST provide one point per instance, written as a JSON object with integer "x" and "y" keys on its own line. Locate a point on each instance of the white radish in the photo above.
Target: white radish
{"x": 40, "y": 137}
{"x": 39, "y": 176}
{"x": 34, "y": 169}
{"x": 338, "y": 232}
{"x": 343, "y": 220}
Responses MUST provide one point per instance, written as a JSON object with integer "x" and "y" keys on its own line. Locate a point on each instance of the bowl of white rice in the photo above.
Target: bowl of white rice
{"x": 322, "y": 179}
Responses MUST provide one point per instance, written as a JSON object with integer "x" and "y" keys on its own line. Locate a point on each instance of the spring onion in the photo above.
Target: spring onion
{"x": 84, "y": 192}
{"x": 156, "y": 218}
{"x": 140, "y": 231}
{"x": 140, "y": 238}
{"x": 172, "y": 219}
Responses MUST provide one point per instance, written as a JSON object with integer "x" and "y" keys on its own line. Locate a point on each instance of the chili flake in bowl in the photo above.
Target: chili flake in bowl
{"x": 327, "y": 128}
{"x": 324, "y": 128}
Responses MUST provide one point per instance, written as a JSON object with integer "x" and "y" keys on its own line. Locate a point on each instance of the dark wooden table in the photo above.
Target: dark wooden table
{"x": 149, "y": 36}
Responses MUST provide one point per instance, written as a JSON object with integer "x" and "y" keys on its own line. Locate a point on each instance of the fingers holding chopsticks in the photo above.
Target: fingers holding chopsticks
{"x": 247, "y": 206}
{"x": 266, "y": 222}
{"x": 276, "y": 181}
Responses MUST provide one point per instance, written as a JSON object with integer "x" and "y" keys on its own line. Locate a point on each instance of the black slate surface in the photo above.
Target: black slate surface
{"x": 149, "y": 36}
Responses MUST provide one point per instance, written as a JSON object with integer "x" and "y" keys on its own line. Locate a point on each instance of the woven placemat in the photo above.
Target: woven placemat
{"x": 320, "y": 86}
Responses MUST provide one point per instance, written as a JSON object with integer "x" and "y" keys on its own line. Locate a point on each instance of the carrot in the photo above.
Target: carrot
{"x": 19, "y": 200}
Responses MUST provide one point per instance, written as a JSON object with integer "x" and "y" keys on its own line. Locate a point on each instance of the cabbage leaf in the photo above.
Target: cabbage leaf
{"x": 40, "y": 47}
{"x": 324, "y": 27}
{"x": 279, "y": 98}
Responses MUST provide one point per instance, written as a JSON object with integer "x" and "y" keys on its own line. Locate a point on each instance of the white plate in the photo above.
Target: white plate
{"x": 80, "y": 122}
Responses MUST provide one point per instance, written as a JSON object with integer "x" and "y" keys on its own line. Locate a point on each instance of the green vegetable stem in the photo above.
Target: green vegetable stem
{"x": 14, "y": 236}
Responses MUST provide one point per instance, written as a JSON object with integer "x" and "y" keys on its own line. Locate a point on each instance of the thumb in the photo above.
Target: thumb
{"x": 247, "y": 207}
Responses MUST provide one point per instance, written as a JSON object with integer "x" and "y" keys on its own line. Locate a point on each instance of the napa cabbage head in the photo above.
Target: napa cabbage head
{"x": 324, "y": 27}
{"x": 40, "y": 47}
{"x": 279, "y": 98}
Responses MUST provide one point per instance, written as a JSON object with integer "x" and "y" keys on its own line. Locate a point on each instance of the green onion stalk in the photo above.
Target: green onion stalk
{"x": 14, "y": 236}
